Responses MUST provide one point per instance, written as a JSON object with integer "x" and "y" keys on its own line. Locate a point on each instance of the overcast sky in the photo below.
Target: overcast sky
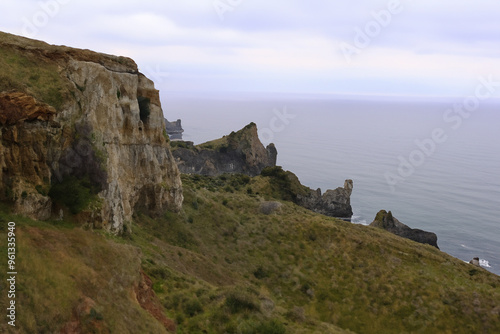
{"x": 390, "y": 47}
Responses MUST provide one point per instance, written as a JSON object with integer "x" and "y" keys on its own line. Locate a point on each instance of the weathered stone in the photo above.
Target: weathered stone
{"x": 386, "y": 221}
{"x": 333, "y": 203}
{"x": 108, "y": 130}
{"x": 16, "y": 107}
{"x": 240, "y": 152}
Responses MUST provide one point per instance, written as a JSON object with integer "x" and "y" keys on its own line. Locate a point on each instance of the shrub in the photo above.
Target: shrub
{"x": 75, "y": 194}
{"x": 271, "y": 327}
{"x": 39, "y": 188}
{"x": 260, "y": 273}
{"x": 238, "y": 301}
{"x": 193, "y": 307}
{"x": 285, "y": 185}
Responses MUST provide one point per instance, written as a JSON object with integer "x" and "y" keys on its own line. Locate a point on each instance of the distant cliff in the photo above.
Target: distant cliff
{"x": 83, "y": 132}
{"x": 386, "y": 221}
{"x": 174, "y": 129}
{"x": 333, "y": 203}
{"x": 238, "y": 152}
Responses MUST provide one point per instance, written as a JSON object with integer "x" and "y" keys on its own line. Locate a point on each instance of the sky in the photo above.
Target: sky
{"x": 389, "y": 47}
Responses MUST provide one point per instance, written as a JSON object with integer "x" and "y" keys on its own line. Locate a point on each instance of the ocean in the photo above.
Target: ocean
{"x": 431, "y": 161}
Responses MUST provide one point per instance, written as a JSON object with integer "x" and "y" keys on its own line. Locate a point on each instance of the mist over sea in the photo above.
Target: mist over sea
{"x": 434, "y": 169}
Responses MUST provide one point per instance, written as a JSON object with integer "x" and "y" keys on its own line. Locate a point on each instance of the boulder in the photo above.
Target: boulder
{"x": 475, "y": 261}
{"x": 270, "y": 207}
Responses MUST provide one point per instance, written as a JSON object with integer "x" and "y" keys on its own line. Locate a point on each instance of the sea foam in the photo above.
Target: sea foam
{"x": 484, "y": 263}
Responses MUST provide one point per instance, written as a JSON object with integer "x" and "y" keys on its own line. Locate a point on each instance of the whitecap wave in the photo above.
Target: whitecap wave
{"x": 484, "y": 263}
{"x": 356, "y": 220}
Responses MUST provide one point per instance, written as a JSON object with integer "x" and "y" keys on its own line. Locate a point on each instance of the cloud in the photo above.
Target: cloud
{"x": 288, "y": 45}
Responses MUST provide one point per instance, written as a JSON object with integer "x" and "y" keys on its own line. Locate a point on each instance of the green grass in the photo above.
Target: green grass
{"x": 31, "y": 74}
{"x": 220, "y": 266}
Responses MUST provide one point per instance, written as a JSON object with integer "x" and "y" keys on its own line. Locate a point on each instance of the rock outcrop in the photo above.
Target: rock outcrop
{"x": 239, "y": 152}
{"x": 386, "y": 221}
{"x": 333, "y": 203}
{"x": 174, "y": 129}
{"x": 475, "y": 261}
{"x": 85, "y": 122}
{"x": 286, "y": 185}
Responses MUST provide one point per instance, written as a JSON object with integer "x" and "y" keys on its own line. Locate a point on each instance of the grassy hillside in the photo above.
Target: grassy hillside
{"x": 222, "y": 266}
{"x": 25, "y": 72}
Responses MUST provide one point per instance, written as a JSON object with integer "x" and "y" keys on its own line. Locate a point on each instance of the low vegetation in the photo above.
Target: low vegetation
{"x": 30, "y": 74}
{"x": 222, "y": 266}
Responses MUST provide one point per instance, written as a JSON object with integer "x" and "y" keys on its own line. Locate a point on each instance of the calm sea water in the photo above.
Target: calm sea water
{"x": 434, "y": 170}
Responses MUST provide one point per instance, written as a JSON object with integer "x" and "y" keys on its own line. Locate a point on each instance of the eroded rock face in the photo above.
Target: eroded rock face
{"x": 240, "y": 152}
{"x": 333, "y": 203}
{"x": 108, "y": 130}
{"x": 386, "y": 221}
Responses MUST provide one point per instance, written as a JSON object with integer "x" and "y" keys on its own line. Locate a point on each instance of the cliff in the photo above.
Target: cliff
{"x": 286, "y": 186}
{"x": 333, "y": 203}
{"x": 239, "y": 152}
{"x": 83, "y": 132}
{"x": 386, "y": 221}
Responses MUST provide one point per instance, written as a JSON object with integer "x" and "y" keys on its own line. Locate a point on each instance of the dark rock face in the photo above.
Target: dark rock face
{"x": 333, "y": 203}
{"x": 386, "y": 221}
{"x": 240, "y": 152}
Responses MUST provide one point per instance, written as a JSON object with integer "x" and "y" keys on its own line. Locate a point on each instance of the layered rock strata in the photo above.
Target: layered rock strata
{"x": 100, "y": 123}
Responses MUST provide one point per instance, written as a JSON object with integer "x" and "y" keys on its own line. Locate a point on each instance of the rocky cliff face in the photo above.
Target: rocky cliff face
{"x": 386, "y": 221}
{"x": 333, "y": 203}
{"x": 239, "y": 152}
{"x": 86, "y": 129}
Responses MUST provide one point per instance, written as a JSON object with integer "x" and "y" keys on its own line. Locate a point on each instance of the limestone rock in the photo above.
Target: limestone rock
{"x": 105, "y": 129}
{"x": 238, "y": 152}
{"x": 386, "y": 221}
